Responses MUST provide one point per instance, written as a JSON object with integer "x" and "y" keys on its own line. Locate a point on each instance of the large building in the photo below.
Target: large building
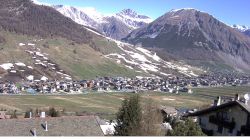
{"x": 231, "y": 118}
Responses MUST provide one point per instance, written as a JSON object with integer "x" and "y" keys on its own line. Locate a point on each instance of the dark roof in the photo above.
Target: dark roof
{"x": 58, "y": 126}
{"x": 168, "y": 109}
{"x": 214, "y": 108}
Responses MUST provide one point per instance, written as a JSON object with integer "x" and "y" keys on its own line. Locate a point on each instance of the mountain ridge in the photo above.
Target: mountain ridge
{"x": 192, "y": 35}
{"x": 115, "y": 26}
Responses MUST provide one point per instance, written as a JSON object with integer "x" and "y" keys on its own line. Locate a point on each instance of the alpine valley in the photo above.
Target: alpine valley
{"x": 64, "y": 42}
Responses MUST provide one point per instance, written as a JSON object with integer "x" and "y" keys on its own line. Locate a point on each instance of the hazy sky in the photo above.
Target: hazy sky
{"x": 228, "y": 11}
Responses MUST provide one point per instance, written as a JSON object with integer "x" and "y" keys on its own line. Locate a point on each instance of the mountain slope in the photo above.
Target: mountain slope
{"x": 247, "y": 32}
{"x": 116, "y": 26}
{"x": 22, "y": 16}
{"x": 39, "y": 42}
{"x": 196, "y": 37}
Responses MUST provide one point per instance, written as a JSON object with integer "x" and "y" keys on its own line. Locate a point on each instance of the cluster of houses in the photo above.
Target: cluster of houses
{"x": 123, "y": 84}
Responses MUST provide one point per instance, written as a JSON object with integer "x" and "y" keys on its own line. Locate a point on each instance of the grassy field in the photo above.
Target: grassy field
{"x": 107, "y": 104}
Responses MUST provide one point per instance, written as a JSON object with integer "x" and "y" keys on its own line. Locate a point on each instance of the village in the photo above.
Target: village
{"x": 123, "y": 85}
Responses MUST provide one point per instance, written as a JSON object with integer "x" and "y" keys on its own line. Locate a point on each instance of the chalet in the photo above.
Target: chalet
{"x": 225, "y": 119}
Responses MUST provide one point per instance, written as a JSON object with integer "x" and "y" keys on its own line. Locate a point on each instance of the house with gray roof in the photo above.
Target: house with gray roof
{"x": 57, "y": 126}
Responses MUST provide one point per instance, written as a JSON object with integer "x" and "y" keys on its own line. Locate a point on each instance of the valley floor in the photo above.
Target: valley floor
{"x": 106, "y": 105}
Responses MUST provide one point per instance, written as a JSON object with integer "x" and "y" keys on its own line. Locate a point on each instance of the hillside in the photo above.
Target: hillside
{"x": 197, "y": 38}
{"x": 37, "y": 42}
{"x": 56, "y": 58}
{"x": 22, "y": 16}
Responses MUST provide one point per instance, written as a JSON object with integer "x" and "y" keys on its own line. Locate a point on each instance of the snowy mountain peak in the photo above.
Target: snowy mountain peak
{"x": 84, "y": 16}
{"x": 241, "y": 28}
{"x": 133, "y": 19}
{"x": 129, "y": 12}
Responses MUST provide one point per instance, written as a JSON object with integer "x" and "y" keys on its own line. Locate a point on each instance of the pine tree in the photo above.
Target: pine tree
{"x": 129, "y": 117}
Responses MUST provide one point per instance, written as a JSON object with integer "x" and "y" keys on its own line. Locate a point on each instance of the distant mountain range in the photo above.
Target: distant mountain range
{"x": 116, "y": 26}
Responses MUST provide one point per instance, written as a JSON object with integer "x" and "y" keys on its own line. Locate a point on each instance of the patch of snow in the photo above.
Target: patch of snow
{"x": 175, "y": 16}
{"x": 162, "y": 73}
{"x": 242, "y": 28}
{"x": 148, "y": 53}
{"x": 176, "y": 10}
{"x": 30, "y": 67}
{"x": 7, "y": 66}
{"x": 154, "y": 35}
{"x": 31, "y": 44}
{"x": 148, "y": 67}
{"x": 68, "y": 78}
{"x": 31, "y": 78}
{"x": 13, "y": 71}
{"x": 59, "y": 72}
{"x": 20, "y": 64}
{"x": 39, "y": 54}
{"x": 21, "y": 44}
{"x": 44, "y": 78}
{"x": 51, "y": 64}
{"x": 139, "y": 57}
{"x": 122, "y": 57}
{"x": 129, "y": 67}
{"x": 94, "y": 32}
{"x": 45, "y": 58}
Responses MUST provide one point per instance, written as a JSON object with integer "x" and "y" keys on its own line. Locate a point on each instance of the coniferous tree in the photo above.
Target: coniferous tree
{"x": 129, "y": 117}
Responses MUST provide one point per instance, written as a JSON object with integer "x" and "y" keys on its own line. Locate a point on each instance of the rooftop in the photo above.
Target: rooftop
{"x": 58, "y": 126}
{"x": 245, "y": 107}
